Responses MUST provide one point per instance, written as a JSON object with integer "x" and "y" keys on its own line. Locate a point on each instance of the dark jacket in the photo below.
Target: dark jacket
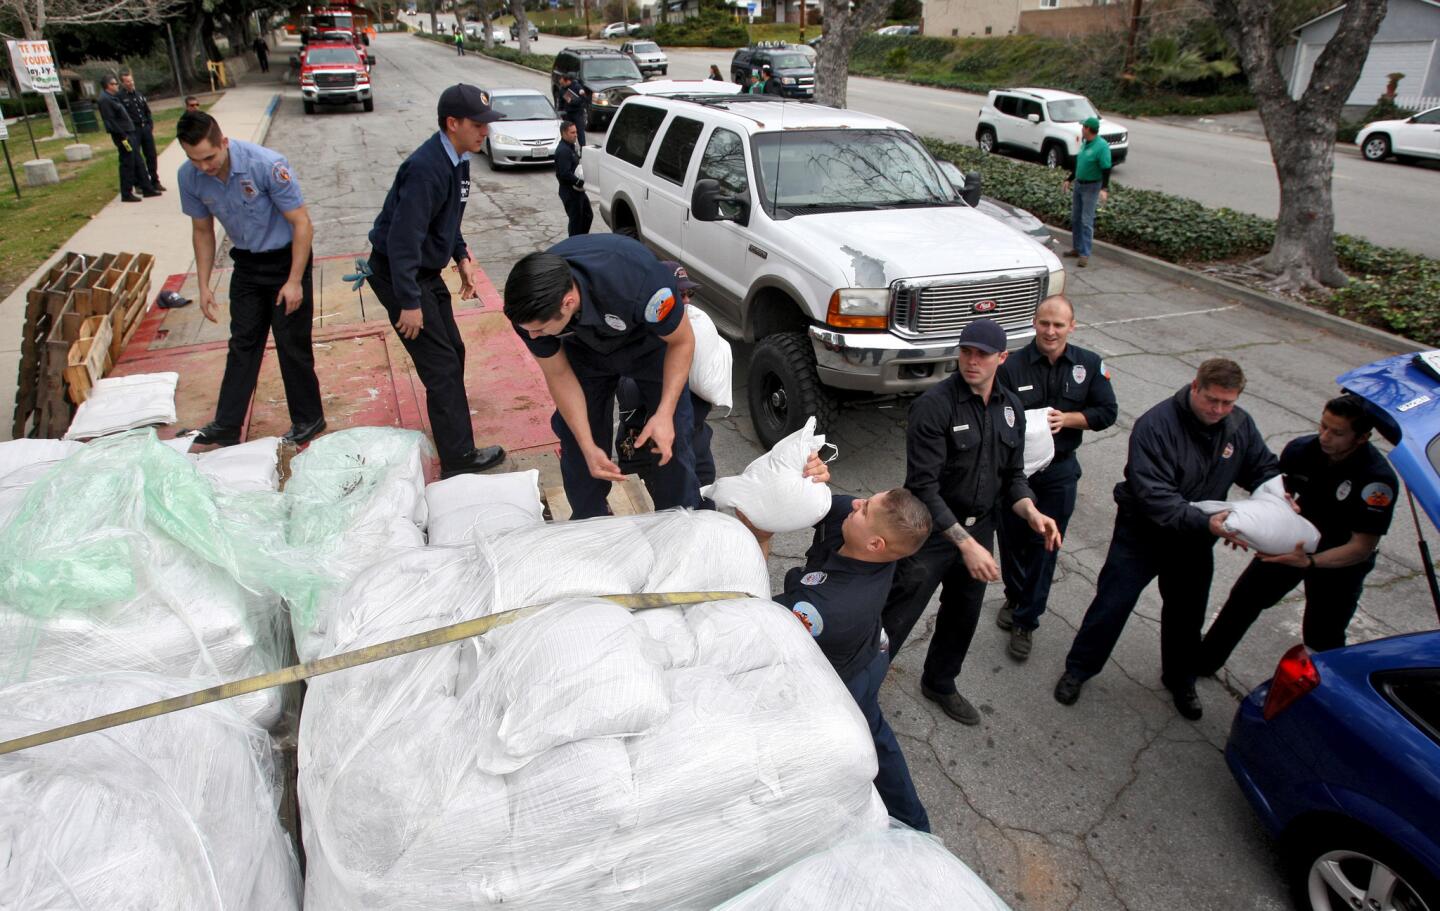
{"x": 117, "y": 120}
{"x": 567, "y": 158}
{"x": 574, "y": 101}
{"x": 773, "y": 87}
{"x": 1077, "y": 381}
{"x": 138, "y": 108}
{"x": 1176, "y": 460}
{"x": 419, "y": 225}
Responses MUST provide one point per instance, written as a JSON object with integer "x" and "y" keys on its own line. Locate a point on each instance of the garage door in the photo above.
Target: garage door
{"x": 1409, "y": 57}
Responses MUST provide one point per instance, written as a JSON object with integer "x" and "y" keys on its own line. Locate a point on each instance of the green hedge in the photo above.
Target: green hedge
{"x": 1389, "y": 288}
{"x": 709, "y": 29}
{"x": 541, "y": 62}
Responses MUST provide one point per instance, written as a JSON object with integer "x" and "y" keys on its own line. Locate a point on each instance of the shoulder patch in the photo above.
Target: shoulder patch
{"x": 659, "y": 306}
{"x": 1104, "y": 371}
{"x": 813, "y": 578}
{"x": 614, "y": 322}
{"x": 806, "y": 613}
{"x": 280, "y": 172}
{"x": 1377, "y": 494}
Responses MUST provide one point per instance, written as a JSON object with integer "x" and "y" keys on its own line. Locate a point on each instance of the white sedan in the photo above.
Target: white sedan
{"x": 619, "y": 29}
{"x": 528, "y": 131}
{"x": 1413, "y": 137}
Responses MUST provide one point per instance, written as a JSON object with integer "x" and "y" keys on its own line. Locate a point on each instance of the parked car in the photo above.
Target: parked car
{"x": 896, "y": 30}
{"x": 599, "y": 69}
{"x": 842, "y": 282}
{"x": 335, "y": 73}
{"x": 1339, "y": 753}
{"x": 647, "y": 56}
{"x": 1044, "y": 123}
{"x": 529, "y": 132}
{"x": 1414, "y": 137}
{"x": 515, "y": 31}
{"x": 476, "y": 31}
{"x": 791, "y": 65}
{"x": 619, "y": 29}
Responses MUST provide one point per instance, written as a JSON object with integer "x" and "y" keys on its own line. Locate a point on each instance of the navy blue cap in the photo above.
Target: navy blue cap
{"x": 466, "y": 101}
{"x": 984, "y": 334}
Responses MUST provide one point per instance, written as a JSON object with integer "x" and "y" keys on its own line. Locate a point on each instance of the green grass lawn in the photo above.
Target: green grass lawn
{"x": 43, "y": 219}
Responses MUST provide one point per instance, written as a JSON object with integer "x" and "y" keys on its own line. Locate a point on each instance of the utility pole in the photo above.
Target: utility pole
{"x": 1134, "y": 36}
{"x": 802, "y": 21}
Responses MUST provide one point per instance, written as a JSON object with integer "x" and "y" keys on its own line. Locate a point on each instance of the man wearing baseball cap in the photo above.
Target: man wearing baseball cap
{"x": 964, "y": 459}
{"x": 1090, "y": 175}
{"x": 416, "y": 235}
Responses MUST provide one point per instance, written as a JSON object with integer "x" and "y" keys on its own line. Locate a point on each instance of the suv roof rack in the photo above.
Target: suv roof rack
{"x": 769, "y": 45}
{"x": 591, "y": 51}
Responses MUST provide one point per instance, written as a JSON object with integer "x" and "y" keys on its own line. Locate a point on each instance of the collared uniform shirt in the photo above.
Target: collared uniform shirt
{"x": 1340, "y": 498}
{"x": 251, "y": 203}
{"x": 839, "y": 599}
{"x": 626, "y": 296}
{"x": 964, "y": 455}
{"x": 1077, "y": 381}
{"x": 138, "y": 107}
{"x": 1092, "y": 160}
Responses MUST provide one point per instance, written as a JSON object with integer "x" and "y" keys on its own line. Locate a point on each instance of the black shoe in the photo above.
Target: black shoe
{"x": 1020, "y": 643}
{"x": 159, "y": 187}
{"x": 149, "y": 194}
{"x": 213, "y": 434}
{"x": 473, "y": 461}
{"x": 299, "y": 434}
{"x": 1187, "y": 703}
{"x": 1006, "y": 618}
{"x": 1067, "y": 688}
{"x": 124, "y": 198}
{"x": 954, "y": 705}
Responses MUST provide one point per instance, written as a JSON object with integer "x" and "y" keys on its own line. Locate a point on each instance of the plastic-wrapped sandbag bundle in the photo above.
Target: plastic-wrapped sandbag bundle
{"x": 876, "y": 871}
{"x": 585, "y": 757}
{"x": 772, "y": 491}
{"x": 489, "y": 504}
{"x": 175, "y": 813}
{"x": 22, "y": 463}
{"x": 1039, "y": 442}
{"x": 710, "y": 368}
{"x": 1265, "y": 521}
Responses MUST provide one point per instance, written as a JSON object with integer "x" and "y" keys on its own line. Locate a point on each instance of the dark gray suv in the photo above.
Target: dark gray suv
{"x": 599, "y": 70}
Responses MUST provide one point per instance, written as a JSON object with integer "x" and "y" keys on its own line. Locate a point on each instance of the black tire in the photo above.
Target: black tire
{"x": 490, "y": 157}
{"x": 1352, "y": 853}
{"x": 1053, "y": 155}
{"x": 985, "y": 139}
{"x": 1376, "y": 147}
{"x": 368, "y": 104}
{"x": 309, "y": 107}
{"x": 784, "y": 388}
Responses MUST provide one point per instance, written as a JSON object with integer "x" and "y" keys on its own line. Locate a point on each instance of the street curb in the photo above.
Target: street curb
{"x": 1259, "y": 300}
{"x": 262, "y": 129}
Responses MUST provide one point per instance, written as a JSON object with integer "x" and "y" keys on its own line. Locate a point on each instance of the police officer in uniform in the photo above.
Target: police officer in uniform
{"x": 574, "y": 102}
{"x": 571, "y": 178}
{"x": 838, "y": 595}
{"x": 592, "y": 309}
{"x": 252, "y": 192}
{"x": 415, "y": 236}
{"x": 138, "y": 107}
{"x": 1193, "y": 446}
{"x": 964, "y": 459}
{"x": 126, "y": 137}
{"x": 1073, "y": 384}
{"x": 1347, "y": 490}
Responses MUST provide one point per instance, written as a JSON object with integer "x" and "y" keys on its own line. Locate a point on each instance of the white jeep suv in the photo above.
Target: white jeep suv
{"x": 830, "y": 238}
{"x": 1044, "y": 123}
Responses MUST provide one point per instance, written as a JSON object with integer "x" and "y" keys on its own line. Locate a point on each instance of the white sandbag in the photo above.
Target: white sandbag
{"x": 245, "y": 467}
{"x": 876, "y": 871}
{"x": 1039, "y": 441}
{"x": 772, "y": 491}
{"x": 175, "y": 812}
{"x": 120, "y": 403}
{"x": 710, "y": 368}
{"x": 1265, "y": 521}
{"x": 17, "y": 454}
{"x": 488, "y": 504}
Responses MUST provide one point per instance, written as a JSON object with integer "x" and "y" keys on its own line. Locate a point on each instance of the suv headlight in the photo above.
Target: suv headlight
{"x": 859, "y": 308}
{"x": 787, "y": 80}
{"x": 1057, "y": 283}
{"x": 600, "y": 98}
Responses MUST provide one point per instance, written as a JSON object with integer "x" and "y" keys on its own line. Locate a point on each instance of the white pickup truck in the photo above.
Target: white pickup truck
{"x": 830, "y": 238}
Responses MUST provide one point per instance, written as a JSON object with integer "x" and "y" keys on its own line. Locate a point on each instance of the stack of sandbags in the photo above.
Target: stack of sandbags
{"x": 485, "y": 504}
{"x": 583, "y": 757}
{"x": 875, "y": 871}
{"x": 22, "y": 463}
{"x": 249, "y": 467}
{"x": 175, "y": 812}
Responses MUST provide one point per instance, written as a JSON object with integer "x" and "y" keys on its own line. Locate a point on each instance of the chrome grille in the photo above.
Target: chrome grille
{"x": 335, "y": 80}
{"x": 945, "y": 306}
{"x": 1114, "y": 137}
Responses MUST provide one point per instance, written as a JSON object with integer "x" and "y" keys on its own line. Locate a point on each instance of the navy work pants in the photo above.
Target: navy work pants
{"x": 148, "y": 154}
{"x": 1026, "y": 567}
{"x": 938, "y": 564}
{"x": 254, "y": 285}
{"x": 893, "y": 778}
{"x": 1331, "y": 597}
{"x": 133, "y": 176}
{"x": 1141, "y": 552}
{"x": 439, "y": 356}
{"x": 670, "y": 485}
{"x": 578, "y": 209}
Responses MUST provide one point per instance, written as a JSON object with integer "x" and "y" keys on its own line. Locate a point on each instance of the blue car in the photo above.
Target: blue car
{"x": 1339, "y": 752}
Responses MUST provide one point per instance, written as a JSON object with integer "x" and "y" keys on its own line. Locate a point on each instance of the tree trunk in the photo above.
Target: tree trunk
{"x": 487, "y": 22}
{"x": 522, "y": 25}
{"x": 844, "y": 24}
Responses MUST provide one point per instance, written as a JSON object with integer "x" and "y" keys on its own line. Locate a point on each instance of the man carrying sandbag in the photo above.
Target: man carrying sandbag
{"x": 1074, "y": 385}
{"x": 592, "y": 309}
{"x": 1347, "y": 490}
{"x": 1192, "y": 446}
{"x": 965, "y": 461}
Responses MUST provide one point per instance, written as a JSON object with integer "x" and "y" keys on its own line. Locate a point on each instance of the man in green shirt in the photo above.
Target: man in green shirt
{"x": 1090, "y": 176}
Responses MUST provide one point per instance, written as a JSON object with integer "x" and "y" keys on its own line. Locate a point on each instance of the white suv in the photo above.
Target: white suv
{"x": 1044, "y": 123}
{"x": 830, "y": 238}
{"x": 647, "y": 56}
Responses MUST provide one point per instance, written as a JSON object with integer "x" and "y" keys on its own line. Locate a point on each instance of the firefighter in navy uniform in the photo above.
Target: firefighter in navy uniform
{"x": 574, "y": 103}
{"x": 1073, "y": 384}
{"x": 592, "y": 309}
{"x": 964, "y": 459}
{"x": 1347, "y": 490}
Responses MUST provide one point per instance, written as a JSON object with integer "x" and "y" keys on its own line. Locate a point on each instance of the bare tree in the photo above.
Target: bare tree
{"x": 522, "y": 25}
{"x": 35, "y": 15}
{"x": 1301, "y": 131}
{"x": 487, "y": 22}
{"x": 845, "y": 23}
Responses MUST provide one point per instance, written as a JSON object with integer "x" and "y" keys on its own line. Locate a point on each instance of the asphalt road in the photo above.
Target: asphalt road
{"x": 1390, "y": 203}
{"x": 1116, "y": 803}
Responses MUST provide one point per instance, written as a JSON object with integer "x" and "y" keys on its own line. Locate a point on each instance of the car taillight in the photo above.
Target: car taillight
{"x": 1295, "y": 676}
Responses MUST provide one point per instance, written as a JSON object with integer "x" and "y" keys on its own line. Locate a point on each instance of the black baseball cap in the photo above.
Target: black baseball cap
{"x": 467, "y": 102}
{"x": 682, "y": 278}
{"x": 984, "y": 334}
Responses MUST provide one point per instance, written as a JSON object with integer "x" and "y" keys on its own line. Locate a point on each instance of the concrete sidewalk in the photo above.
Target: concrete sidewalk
{"x": 156, "y": 226}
